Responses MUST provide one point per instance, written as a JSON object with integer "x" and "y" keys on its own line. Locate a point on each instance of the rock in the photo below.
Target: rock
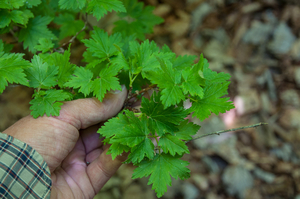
{"x": 295, "y": 51}
{"x": 263, "y": 175}
{"x": 297, "y": 76}
{"x": 200, "y": 181}
{"x": 290, "y": 118}
{"x": 190, "y": 191}
{"x": 290, "y": 97}
{"x": 248, "y": 102}
{"x": 283, "y": 39}
{"x": 259, "y": 33}
{"x": 237, "y": 180}
{"x": 200, "y": 13}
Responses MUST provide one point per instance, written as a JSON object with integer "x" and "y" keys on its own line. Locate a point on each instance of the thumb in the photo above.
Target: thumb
{"x": 83, "y": 113}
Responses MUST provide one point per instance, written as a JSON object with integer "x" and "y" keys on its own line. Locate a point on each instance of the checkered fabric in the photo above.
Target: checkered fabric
{"x": 23, "y": 172}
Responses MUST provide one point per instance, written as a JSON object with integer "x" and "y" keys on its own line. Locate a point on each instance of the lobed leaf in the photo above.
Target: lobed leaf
{"x": 47, "y": 102}
{"x": 212, "y": 101}
{"x": 36, "y": 29}
{"x": 40, "y": 74}
{"x": 160, "y": 169}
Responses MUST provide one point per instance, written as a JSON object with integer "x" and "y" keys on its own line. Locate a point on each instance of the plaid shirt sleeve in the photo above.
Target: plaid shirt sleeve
{"x": 23, "y": 172}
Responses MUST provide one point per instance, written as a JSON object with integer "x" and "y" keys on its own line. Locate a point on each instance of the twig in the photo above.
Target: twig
{"x": 13, "y": 34}
{"x": 73, "y": 38}
{"x": 224, "y": 131}
{"x": 142, "y": 91}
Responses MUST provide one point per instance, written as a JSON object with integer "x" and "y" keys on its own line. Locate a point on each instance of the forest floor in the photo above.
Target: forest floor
{"x": 258, "y": 43}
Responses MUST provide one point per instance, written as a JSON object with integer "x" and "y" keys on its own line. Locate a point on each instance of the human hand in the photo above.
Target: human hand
{"x": 69, "y": 141}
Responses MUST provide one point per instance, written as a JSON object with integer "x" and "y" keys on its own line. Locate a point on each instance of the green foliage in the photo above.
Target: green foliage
{"x": 36, "y": 29}
{"x": 154, "y": 134}
{"x": 160, "y": 169}
{"x": 137, "y": 21}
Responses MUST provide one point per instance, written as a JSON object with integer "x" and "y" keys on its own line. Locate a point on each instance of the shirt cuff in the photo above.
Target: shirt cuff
{"x": 23, "y": 171}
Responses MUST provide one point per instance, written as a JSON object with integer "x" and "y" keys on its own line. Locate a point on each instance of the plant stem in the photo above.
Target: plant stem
{"x": 224, "y": 131}
{"x": 142, "y": 91}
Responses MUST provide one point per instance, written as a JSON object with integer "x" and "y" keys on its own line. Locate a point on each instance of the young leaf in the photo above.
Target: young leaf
{"x": 10, "y": 4}
{"x": 212, "y": 76}
{"x": 36, "y": 29}
{"x": 47, "y": 102}
{"x": 44, "y": 45}
{"x": 133, "y": 134}
{"x": 144, "y": 56}
{"x": 41, "y": 75}
{"x": 186, "y": 129}
{"x": 172, "y": 144}
{"x": 212, "y": 101}
{"x": 182, "y": 62}
{"x": 7, "y": 16}
{"x": 144, "y": 21}
{"x": 168, "y": 81}
{"x": 106, "y": 81}
{"x": 65, "y": 68}
{"x": 71, "y": 4}
{"x": 140, "y": 151}
{"x": 160, "y": 169}
{"x": 100, "y": 7}
{"x": 32, "y": 3}
{"x": 11, "y": 69}
{"x": 116, "y": 124}
{"x": 193, "y": 80}
{"x": 82, "y": 79}
{"x": 102, "y": 45}
{"x": 162, "y": 120}
{"x": 117, "y": 149}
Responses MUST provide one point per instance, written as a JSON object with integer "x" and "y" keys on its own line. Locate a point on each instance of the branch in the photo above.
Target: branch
{"x": 138, "y": 92}
{"x": 224, "y": 131}
{"x": 74, "y": 37}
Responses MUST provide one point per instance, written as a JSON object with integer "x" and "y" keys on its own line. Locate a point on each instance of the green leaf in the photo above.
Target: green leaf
{"x": 182, "y": 62}
{"x": 193, "y": 80}
{"x": 100, "y": 7}
{"x": 144, "y": 56}
{"x": 65, "y": 68}
{"x": 41, "y": 75}
{"x": 69, "y": 26}
{"x": 32, "y": 3}
{"x": 139, "y": 20}
{"x": 71, "y": 4}
{"x": 162, "y": 120}
{"x": 117, "y": 149}
{"x": 212, "y": 76}
{"x": 186, "y": 129}
{"x": 172, "y": 144}
{"x": 140, "y": 151}
{"x": 120, "y": 60}
{"x": 45, "y": 45}
{"x": 47, "y": 102}
{"x": 168, "y": 81}
{"x": 103, "y": 46}
{"x": 134, "y": 133}
{"x": 116, "y": 124}
{"x": 7, "y": 16}
{"x": 106, "y": 81}
{"x": 12, "y": 69}
{"x": 10, "y": 4}
{"x": 212, "y": 101}
{"x": 26, "y": 15}
{"x": 82, "y": 79}
{"x": 36, "y": 29}
{"x": 160, "y": 169}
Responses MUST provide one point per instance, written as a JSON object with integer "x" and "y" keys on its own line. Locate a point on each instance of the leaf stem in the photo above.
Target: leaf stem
{"x": 224, "y": 131}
